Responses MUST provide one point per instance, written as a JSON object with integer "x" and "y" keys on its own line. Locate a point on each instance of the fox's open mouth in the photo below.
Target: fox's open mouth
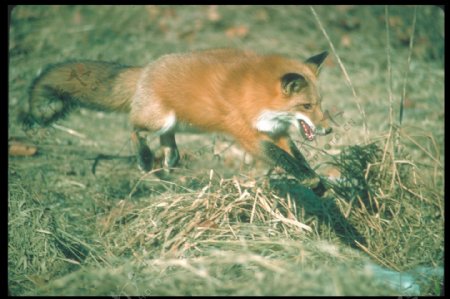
{"x": 307, "y": 131}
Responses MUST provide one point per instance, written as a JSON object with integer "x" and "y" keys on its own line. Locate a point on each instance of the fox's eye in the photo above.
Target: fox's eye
{"x": 307, "y": 106}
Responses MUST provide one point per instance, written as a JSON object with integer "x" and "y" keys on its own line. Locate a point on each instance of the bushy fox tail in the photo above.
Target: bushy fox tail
{"x": 62, "y": 87}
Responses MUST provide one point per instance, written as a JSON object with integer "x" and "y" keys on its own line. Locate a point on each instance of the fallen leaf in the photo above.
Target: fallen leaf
{"x": 153, "y": 11}
{"x": 346, "y": 41}
{"x": 213, "y": 14}
{"x": 237, "y": 31}
{"x": 18, "y": 148}
{"x": 345, "y": 8}
{"x": 77, "y": 18}
{"x": 395, "y": 21}
{"x": 262, "y": 15}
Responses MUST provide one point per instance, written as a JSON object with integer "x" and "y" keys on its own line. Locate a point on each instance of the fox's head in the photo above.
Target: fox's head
{"x": 299, "y": 103}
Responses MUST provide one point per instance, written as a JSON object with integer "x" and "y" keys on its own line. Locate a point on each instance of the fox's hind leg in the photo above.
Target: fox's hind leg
{"x": 171, "y": 154}
{"x": 143, "y": 153}
{"x": 145, "y": 156}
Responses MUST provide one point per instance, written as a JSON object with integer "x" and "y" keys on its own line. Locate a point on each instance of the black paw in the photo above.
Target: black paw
{"x": 144, "y": 158}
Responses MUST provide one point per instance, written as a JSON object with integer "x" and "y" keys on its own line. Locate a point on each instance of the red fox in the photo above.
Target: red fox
{"x": 254, "y": 98}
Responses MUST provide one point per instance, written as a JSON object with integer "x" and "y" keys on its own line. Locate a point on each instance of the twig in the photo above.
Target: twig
{"x": 108, "y": 157}
{"x": 70, "y": 131}
{"x": 411, "y": 41}
{"x": 389, "y": 68}
{"x": 423, "y": 149}
{"x": 389, "y": 140}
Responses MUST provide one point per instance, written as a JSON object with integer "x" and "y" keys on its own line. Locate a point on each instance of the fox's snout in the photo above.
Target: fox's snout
{"x": 323, "y": 131}
{"x": 321, "y": 122}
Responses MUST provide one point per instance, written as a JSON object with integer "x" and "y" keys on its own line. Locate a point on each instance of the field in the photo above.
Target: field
{"x": 219, "y": 224}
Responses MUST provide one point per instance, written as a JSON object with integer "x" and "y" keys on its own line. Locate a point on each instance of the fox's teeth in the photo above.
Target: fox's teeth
{"x": 308, "y": 133}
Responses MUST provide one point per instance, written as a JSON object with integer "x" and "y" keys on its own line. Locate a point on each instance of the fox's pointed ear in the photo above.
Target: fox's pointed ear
{"x": 315, "y": 62}
{"x": 292, "y": 83}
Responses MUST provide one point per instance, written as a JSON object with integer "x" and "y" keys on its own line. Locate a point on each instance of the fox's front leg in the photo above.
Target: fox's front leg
{"x": 171, "y": 154}
{"x": 276, "y": 151}
{"x": 286, "y": 144}
{"x": 285, "y": 154}
{"x": 143, "y": 153}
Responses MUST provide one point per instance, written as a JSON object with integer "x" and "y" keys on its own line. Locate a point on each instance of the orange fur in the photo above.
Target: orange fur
{"x": 249, "y": 96}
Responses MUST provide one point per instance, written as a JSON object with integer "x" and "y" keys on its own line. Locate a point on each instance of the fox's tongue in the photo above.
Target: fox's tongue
{"x": 307, "y": 131}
